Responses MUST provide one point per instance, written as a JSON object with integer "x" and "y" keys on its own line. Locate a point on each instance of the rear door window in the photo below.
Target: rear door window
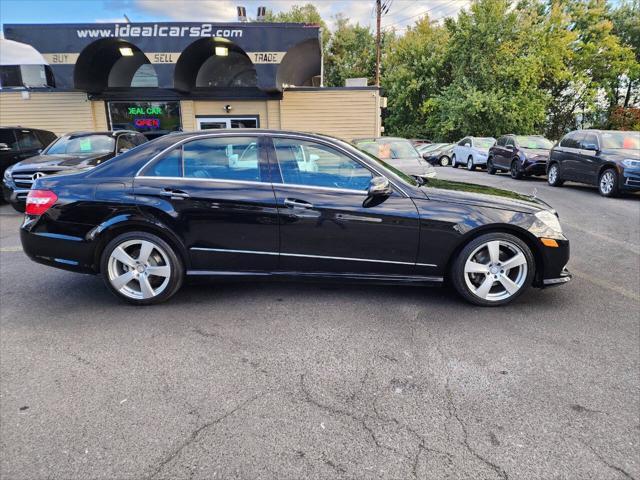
{"x": 27, "y": 140}
{"x": 231, "y": 158}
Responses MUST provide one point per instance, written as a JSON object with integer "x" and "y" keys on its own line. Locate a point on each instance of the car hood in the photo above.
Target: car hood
{"x": 482, "y": 196}
{"x": 56, "y": 162}
{"x": 621, "y": 154}
{"x": 536, "y": 151}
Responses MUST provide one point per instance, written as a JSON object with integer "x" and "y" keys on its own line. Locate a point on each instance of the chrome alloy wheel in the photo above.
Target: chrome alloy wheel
{"x": 496, "y": 270}
{"x": 607, "y": 182}
{"x": 553, "y": 174}
{"x": 139, "y": 269}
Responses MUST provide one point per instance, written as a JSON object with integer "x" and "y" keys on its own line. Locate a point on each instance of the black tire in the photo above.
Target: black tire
{"x": 454, "y": 163}
{"x": 457, "y": 273}
{"x": 444, "y": 161}
{"x": 608, "y": 183}
{"x": 491, "y": 170}
{"x": 170, "y": 259}
{"x": 19, "y": 207}
{"x": 553, "y": 177}
{"x": 470, "y": 165}
{"x": 515, "y": 171}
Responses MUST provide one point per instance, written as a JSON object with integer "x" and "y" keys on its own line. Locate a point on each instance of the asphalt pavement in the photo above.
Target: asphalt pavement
{"x": 306, "y": 381}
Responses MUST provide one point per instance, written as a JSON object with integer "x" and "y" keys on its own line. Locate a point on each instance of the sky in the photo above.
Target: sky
{"x": 401, "y": 12}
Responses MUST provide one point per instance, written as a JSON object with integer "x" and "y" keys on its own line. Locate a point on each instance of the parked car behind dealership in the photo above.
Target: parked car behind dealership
{"x": 606, "y": 158}
{"x": 183, "y": 206}
{"x": 472, "y": 152}
{"x": 437, "y": 153}
{"x": 78, "y": 150}
{"x": 18, "y": 143}
{"x": 399, "y": 153}
{"x": 520, "y": 155}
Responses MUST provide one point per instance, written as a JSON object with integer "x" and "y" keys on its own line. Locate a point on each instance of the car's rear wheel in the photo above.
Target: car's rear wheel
{"x": 470, "y": 165}
{"x": 553, "y": 176}
{"x": 491, "y": 170}
{"x": 141, "y": 268}
{"x": 515, "y": 171}
{"x": 454, "y": 163}
{"x": 608, "y": 183}
{"x": 444, "y": 161}
{"x": 493, "y": 269}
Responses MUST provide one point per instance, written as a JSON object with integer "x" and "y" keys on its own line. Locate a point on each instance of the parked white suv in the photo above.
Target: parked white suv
{"x": 472, "y": 152}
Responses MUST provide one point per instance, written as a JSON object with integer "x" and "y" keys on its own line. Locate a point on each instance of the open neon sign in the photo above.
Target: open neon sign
{"x": 147, "y": 123}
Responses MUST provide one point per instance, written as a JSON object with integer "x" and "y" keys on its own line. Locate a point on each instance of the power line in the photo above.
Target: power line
{"x": 432, "y": 9}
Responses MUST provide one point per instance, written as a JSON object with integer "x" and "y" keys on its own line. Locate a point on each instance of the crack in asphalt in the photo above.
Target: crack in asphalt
{"x": 606, "y": 462}
{"x": 193, "y": 437}
{"x": 453, "y": 411}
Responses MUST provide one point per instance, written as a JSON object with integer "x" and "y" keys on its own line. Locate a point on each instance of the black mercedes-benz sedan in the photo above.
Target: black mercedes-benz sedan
{"x": 78, "y": 150}
{"x": 240, "y": 204}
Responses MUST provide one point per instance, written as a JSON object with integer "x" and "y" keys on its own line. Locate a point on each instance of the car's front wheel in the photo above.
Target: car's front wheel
{"x": 141, "y": 268}
{"x": 553, "y": 176}
{"x": 470, "y": 165}
{"x": 454, "y": 163}
{"x": 608, "y": 183}
{"x": 515, "y": 171}
{"x": 493, "y": 269}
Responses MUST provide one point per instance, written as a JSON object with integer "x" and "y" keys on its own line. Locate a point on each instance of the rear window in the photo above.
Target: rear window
{"x": 86, "y": 145}
{"x": 484, "y": 142}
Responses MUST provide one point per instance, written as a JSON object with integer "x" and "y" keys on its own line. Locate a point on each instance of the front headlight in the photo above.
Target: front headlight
{"x": 629, "y": 163}
{"x": 7, "y": 173}
{"x": 546, "y": 225}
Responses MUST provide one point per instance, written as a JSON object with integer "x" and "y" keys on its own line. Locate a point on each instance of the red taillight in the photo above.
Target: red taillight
{"x": 39, "y": 201}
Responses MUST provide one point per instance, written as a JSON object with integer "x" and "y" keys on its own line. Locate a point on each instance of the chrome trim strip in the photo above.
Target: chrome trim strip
{"x": 353, "y": 275}
{"x": 302, "y": 255}
{"x": 216, "y": 180}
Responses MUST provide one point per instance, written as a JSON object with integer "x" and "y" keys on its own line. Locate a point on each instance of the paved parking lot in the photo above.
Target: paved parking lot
{"x": 279, "y": 380}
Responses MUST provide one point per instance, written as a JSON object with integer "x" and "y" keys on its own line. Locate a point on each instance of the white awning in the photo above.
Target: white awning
{"x": 16, "y": 53}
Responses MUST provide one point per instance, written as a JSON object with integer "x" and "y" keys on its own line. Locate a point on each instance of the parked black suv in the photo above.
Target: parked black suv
{"x": 606, "y": 158}
{"x": 17, "y": 143}
{"x": 74, "y": 151}
{"x": 520, "y": 155}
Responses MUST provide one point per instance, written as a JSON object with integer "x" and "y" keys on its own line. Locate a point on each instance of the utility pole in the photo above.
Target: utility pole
{"x": 378, "y": 17}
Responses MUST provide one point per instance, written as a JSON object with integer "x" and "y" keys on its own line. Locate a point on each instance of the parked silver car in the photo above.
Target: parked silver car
{"x": 472, "y": 152}
{"x": 397, "y": 152}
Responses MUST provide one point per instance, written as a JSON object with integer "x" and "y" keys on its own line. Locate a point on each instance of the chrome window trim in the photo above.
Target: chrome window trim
{"x": 198, "y": 179}
{"x": 258, "y": 133}
{"x": 303, "y": 255}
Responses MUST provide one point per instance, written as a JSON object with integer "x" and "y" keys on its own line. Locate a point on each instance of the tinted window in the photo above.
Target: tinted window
{"x": 501, "y": 141}
{"x": 589, "y": 139}
{"x": 315, "y": 164}
{"x": 484, "y": 142}
{"x": 125, "y": 142}
{"x": 570, "y": 141}
{"x": 510, "y": 142}
{"x": 10, "y": 76}
{"x": 232, "y": 158}
{"x": 170, "y": 165}
{"x": 139, "y": 139}
{"x": 7, "y": 136}
{"x": 630, "y": 140}
{"x": 534, "y": 142}
{"x": 463, "y": 141}
{"x": 45, "y": 137}
{"x": 27, "y": 140}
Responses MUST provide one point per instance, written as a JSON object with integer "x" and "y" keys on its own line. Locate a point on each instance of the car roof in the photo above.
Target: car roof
{"x": 111, "y": 133}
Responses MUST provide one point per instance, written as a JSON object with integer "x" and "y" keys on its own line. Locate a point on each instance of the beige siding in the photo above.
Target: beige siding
{"x": 59, "y": 112}
{"x": 100, "y": 120}
{"x": 238, "y": 109}
{"x": 346, "y": 114}
{"x": 188, "y": 117}
{"x": 273, "y": 114}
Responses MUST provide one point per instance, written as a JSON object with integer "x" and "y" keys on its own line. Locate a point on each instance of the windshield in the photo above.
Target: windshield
{"x": 388, "y": 149}
{"x": 408, "y": 179}
{"x": 534, "y": 142}
{"x": 484, "y": 142}
{"x": 616, "y": 140}
{"x": 86, "y": 145}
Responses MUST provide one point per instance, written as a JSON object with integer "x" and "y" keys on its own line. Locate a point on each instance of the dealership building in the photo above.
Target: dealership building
{"x": 162, "y": 77}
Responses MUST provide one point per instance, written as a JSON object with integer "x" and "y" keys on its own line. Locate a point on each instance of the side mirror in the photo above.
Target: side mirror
{"x": 380, "y": 187}
{"x": 592, "y": 147}
{"x": 4, "y": 146}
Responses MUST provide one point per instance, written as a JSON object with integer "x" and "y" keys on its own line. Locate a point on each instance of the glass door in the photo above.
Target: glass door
{"x": 209, "y": 123}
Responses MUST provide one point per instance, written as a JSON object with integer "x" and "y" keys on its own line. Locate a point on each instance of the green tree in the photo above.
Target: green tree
{"x": 307, "y": 13}
{"x": 351, "y": 53}
{"x": 411, "y": 69}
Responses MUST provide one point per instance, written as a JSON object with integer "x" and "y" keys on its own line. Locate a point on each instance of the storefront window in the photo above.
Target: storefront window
{"x": 149, "y": 118}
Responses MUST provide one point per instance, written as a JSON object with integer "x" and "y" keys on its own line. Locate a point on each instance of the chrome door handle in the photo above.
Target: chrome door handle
{"x": 293, "y": 203}
{"x": 174, "y": 193}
